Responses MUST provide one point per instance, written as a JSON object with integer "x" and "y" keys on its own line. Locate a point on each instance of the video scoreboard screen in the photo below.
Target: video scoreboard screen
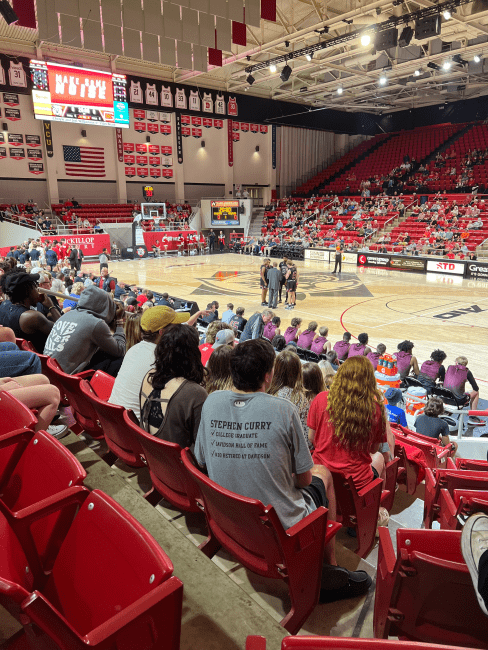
{"x": 64, "y": 93}
{"x": 225, "y": 213}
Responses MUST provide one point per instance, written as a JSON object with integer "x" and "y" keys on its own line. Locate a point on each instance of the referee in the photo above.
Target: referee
{"x": 338, "y": 258}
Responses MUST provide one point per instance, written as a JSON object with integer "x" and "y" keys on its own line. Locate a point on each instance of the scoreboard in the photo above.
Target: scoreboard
{"x": 225, "y": 213}
{"x": 63, "y": 93}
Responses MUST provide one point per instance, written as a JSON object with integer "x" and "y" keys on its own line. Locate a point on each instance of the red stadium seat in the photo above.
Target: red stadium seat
{"x": 424, "y": 592}
{"x": 118, "y": 594}
{"x": 359, "y": 510}
{"x": 169, "y": 477}
{"x": 449, "y": 480}
{"x": 472, "y": 464}
{"x": 339, "y": 643}
{"x": 435, "y": 456}
{"x": 83, "y": 411}
{"x": 102, "y": 384}
{"x": 119, "y": 437}
{"x": 14, "y": 416}
{"x": 269, "y": 550}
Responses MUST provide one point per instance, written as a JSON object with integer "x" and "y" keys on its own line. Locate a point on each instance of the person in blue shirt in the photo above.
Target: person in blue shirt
{"x": 51, "y": 258}
{"x": 395, "y": 414}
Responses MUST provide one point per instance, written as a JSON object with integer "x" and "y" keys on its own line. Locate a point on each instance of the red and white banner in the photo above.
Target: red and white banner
{"x": 167, "y": 173}
{"x": 155, "y": 238}
{"x": 140, "y": 127}
{"x": 245, "y": 126}
{"x": 230, "y": 144}
{"x": 186, "y": 120}
{"x": 141, "y": 160}
{"x": 89, "y": 244}
{"x": 196, "y": 121}
{"x": 130, "y": 172}
{"x": 141, "y": 148}
{"x": 129, "y": 146}
{"x": 254, "y": 128}
{"x": 139, "y": 114}
{"x": 129, "y": 159}
{"x": 166, "y": 151}
{"x": 207, "y": 122}
{"x": 263, "y": 128}
{"x": 236, "y": 137}
{"x": 153, "y": 148}
{"x": 152, "y": 128}
{"x": 165, "y": 129}
{"x": 155, "y": 172}
{"x": 196, "y": 133}
{"x": 218, "y": 124}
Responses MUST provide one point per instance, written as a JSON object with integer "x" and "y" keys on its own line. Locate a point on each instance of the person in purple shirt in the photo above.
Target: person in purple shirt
{"x": 360, "y": 348}
{"x": 432, "y": 369}
{"x": 374, "y": 356}
{"x": 293, "y": 332}
{"x": 306, "y": 337}
{"x": 320, "y": 344}
{"x": 342, "y": 347}
{"x": 405, "y": 359}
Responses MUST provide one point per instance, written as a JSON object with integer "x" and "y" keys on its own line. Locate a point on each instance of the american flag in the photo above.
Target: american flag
{"x": 84, "y": 161}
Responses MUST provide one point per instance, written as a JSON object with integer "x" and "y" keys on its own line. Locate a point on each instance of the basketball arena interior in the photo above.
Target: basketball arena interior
{"x": 299, "y": 189}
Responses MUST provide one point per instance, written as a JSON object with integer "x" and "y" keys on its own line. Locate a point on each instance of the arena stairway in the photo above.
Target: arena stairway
{"x": 350, "y": 164}
{"x": 445, "y": 145}
{"x": 256, "y": 223}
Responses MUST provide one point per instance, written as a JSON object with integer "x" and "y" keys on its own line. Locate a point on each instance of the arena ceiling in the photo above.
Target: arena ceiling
{"x": 343, "y": 75}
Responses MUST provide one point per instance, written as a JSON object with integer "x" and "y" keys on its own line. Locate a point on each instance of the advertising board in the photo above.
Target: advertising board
{"x": 454, "y": 268}
{"x": 373, "y": 259}
{"x": 408, "y": 264}
{"x": 314, "y": 254}
{"x": 477, "y": 270}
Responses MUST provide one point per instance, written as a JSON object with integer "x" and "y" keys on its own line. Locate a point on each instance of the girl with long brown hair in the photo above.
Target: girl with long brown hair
{"x": 288, "y": 383}
{"x": 348, "y": 425}
{"x": 218, "y": 367}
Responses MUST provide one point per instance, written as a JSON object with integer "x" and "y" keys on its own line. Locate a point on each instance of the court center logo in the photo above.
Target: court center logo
{"x": 310, "y": 283}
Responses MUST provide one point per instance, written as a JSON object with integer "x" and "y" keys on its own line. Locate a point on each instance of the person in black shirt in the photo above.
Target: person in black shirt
{"x": 284, "y": 270}
{"x": 291, "y": 284}
{"x": 431, "y": 425}
{"x": 263, "y": 280}
{"x": 211, "y": 241}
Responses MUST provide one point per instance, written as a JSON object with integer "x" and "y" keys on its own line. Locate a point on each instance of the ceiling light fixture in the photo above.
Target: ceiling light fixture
{"x": 309, "y": 56}
{"x": 272, "y": 68}
{"x": 365, "y": 40}
{"x": 417, "y": 73}
{"x": 340, "y": 90}
{"x": 446, "y": 65}
{"x": 447, "y": 14}
{"x": 477, "y": 58}
{"x": 383, "y": 80}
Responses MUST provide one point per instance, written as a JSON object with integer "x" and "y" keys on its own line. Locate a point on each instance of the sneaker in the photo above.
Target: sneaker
{"x": 280, "y": 301}
{"x": 474, "y": 542}
{"x": 264, "y": 304}
{"x": 475, "y": 421}
{"x": 383, "y": 518}
{"x": 338, "y": 583}
{"x": 58, "y": 430}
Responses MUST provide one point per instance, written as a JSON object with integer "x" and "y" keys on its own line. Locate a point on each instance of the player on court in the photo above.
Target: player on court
{"x": 284, "y": 271}
{"x": 263, "y": 280}
{"x": 291, "y": 284}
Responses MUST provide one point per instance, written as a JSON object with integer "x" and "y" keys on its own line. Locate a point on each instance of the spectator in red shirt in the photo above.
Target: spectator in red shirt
{"x": 350, "y": 435}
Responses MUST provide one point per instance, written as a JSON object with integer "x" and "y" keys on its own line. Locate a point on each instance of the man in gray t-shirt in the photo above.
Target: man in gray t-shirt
{"x": 253, "y": 444}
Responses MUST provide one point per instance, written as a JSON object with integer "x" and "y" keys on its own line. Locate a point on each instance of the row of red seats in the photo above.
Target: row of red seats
{"x": 67, "y": 552}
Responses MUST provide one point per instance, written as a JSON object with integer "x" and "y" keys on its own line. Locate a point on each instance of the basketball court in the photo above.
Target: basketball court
{"x": 433, "y": 310}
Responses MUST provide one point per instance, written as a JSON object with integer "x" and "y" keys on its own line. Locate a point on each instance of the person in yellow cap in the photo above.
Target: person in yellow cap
{"x": 140, "y": 358}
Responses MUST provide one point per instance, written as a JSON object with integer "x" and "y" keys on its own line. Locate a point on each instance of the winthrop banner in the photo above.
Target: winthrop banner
{"x": 89, "y": 244}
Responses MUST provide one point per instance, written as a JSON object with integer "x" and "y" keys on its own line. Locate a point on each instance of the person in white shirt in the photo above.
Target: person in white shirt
{"x": 228, "y": 314}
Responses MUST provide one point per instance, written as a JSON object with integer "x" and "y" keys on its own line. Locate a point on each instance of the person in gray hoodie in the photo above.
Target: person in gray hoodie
{"x": 90, "y": 336}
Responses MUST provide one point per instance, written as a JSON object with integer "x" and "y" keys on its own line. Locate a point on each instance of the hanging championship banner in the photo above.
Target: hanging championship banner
{"x": 11, "y": 99}
{"x": 273, "y": 146}
{"x": 15, "y": 138}
{"x": 141, "y": 160}
{"x": 245, "y": 127}
{"x": 218, "y": 124}
{"x": 154, "y": 161}
{"x": 32, "y": 140}
{"x": 207, "y": 122}
{"x": 165, "y": 129}
{"x": 36, "y": 168}
{"x": 167, "y": 151}
{"x": 185, "y": 120}
{"x": 196, "y": 133}
{"x": 167, "y": 161}
{"x": 48, "y": 138}
{"x": 141, "y": 148}
{"x": 165, "y": 118}
{"x": 152, "y": 128}
{"x": 179, "y": 141}
{"x": 196, "y": 121}
{"x": 167, "y": 173}
{"x": 236, "y": 137}
{"x": 120, "y": 144}
{"x": 34, "y": 154}
{"x": 263, "y": 128}
{"x": 139, "y": 115}
{"x": 129, "y": 159}
{"x": 130, "y": 172}
{"x": 129, "y": 146}
{"x": 140, "y": 127}
{"x": 230, "y": 144}
{"x": 254, "y": 128}
{"x": 153, "y": 148}
{"x": 235, "y": 126}
{"x": 17, "y": 153}
{"x": 3, "y": 152}
{"x": 155, "y": 173}
{"x": 142, "y": 172}
{"x": 152, "y": 116}
{"x": 185, "y": 131}
{"x": 12, "y": 114}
